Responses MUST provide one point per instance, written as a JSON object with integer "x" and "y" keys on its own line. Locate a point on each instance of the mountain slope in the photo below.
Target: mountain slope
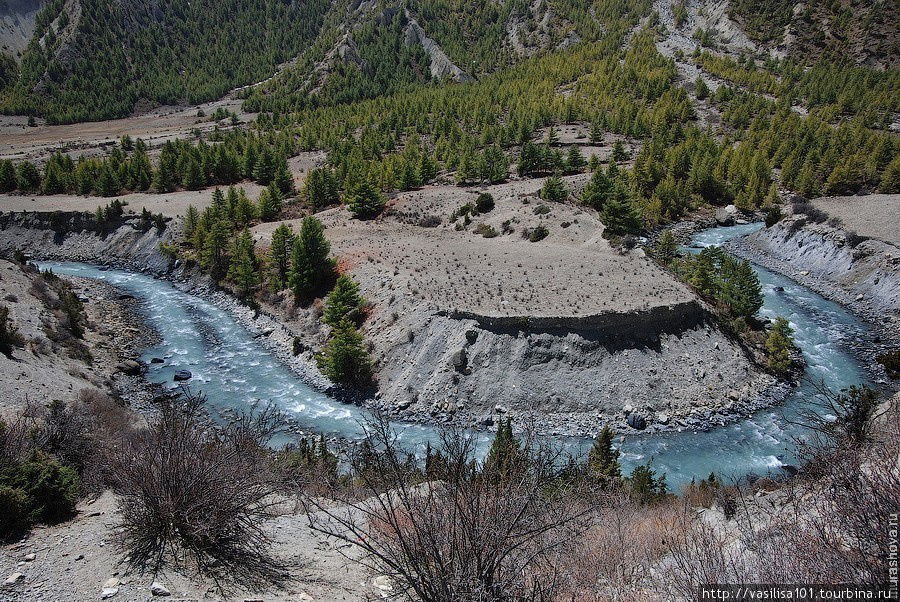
{"x": 94, "y": 59}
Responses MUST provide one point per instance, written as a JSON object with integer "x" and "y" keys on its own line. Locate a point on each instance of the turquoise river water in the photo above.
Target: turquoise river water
{"x": 234, "y": 370}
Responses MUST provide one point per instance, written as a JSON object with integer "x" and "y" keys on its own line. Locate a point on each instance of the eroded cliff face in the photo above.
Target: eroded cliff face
{"x": 669, "y": 367}
{"x": 861, "y": 274}
{"x": 73, "y": 236}
{"x": 17, "y": 24}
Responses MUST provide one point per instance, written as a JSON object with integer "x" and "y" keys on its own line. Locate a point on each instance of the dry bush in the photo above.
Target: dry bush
{"x": 829, "y": 525}
{"x": 702, "y": 552}
{"x": 196, "y": 496}
{"x": 475, "y": 531}
{"x": 614, "y": 558}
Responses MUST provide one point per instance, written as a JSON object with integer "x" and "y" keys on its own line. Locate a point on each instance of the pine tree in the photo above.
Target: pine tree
{"x": 7, "y": 176}
{"x": 52, "y": 183}
{"x": 505, "y": 455}
{"x": 244, "y": 210}
{"x": 466, "y": 170}
{"x": 219, "y": 205}
{"x": 214, "y": 257}
{"x": 552, "y": 138}
{"x": 778, "y": 346}
{"x": 409, "y": 176}
{"x": 107, "y": 182}
{"x": 595, "y": 134}
{"x": 283, "y": 239}
{"x": 666, "y": 249}
{"x": 343, "y": 302}
{"x": 363, "y": 200}
{"x": 191, "y": 173}
{"x": 28, "y": 178}
{"x": 890, "y": 179}
{"x": 618, "y": 214}
{"x": 529, "y": 159}
{"x": 598, "y": 190}
{"x": 140, "y": 170}
{"x": 619, "y": 153}
{"x": 345, "y": 359}
{"x": 269, "y": 205}
{"x": 554, "y": 189}
{"x": 704, "y": 278}
{"x": 264, "y": 167}
{"x": 603, "y": 458}
{"x": 191, "y": 217}
{"x": 575, "y": 160}
{"x": 311, "y": 268}
{"x": 428, "y": 167}
{"x": 164, "y": 178}
{"x": 243, "y": 269}
{"x": 283, "y": 180}
{"x": 495, "y": 165}
{"x": 740, "y": 291}
{"x": 645, "y": 486}
{"x": 701, "y": 88}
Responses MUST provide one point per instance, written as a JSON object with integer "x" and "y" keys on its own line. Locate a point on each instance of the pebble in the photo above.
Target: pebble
{"x": 158, "y": 589}
{"x": 14, "y": 578}
{"x": 30, "y": 557}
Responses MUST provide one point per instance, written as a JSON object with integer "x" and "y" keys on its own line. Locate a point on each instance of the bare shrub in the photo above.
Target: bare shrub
{"x": 614, "y": 558}
{"x": 828, "y": 525}
{"x": 475, "y": 531}
{"x": 199, "y": 496}
{"x": 813, "y": 214}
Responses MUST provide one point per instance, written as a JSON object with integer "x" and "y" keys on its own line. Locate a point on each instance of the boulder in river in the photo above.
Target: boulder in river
{"x": 636, "y": 421}
{"x": 725, "y": 216}
{"x": 181, "y": 375}
{"x": 130, "y": 367}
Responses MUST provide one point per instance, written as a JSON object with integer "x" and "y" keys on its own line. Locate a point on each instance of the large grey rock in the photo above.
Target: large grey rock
{"x": 460, "y": 360}
{"x": 726, "y": 216}
{"x": 636, "y": 421}
{"x": 182, "y": 375}
{"x": 441, "y": 65}
{"x": 130, "y": 367}
{"x": 158, "y": 589}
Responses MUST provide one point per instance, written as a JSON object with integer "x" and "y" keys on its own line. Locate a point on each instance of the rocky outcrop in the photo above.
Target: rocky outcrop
{"x": 568, "y": 375}
{"x": 441, "y": 65}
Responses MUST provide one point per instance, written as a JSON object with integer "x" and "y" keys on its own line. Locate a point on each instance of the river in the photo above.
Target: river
{"x": 234, "y": 370}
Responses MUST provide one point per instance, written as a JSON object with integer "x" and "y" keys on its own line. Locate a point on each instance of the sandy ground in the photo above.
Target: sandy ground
{"x": 18, "y": 141}
{"x": 574, "y": 271}
{"x": 873, "y": 215}
{"x": 74, "y": 560}
{"x": 37, "y": 372}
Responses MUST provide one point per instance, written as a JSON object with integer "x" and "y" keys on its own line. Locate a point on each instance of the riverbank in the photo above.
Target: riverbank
{"x": 860, "y": 276}
{"x": 674, "y": 379}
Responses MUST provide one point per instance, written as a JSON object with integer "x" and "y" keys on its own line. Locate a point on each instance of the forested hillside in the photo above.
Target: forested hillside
{"x": 95, "y": 59}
